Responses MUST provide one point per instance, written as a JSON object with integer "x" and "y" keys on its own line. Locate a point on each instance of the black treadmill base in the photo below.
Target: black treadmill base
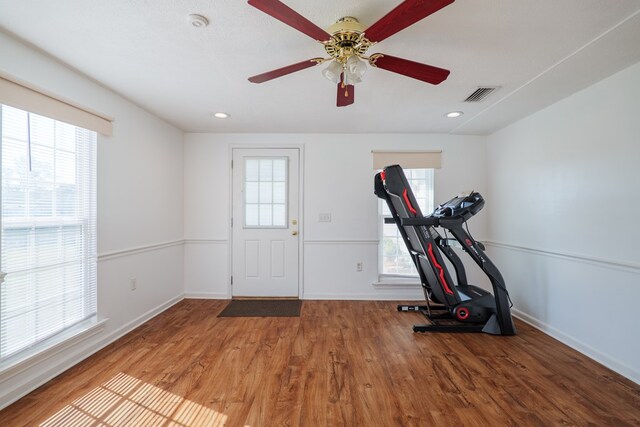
{"x": 422, "y": 307}
{"x": 438, "y": 316}
{"x": 440, "y": 312}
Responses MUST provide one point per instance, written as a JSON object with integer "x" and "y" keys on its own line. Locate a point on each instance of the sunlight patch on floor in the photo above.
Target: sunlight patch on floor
{"x": 128, "y": 401}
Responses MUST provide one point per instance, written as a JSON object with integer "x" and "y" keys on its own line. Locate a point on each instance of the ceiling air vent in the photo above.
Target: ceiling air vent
{"x": 481, "y": 93}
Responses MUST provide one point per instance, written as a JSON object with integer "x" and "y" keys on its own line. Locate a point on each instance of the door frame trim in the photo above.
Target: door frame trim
{"x": 301, "y": 217}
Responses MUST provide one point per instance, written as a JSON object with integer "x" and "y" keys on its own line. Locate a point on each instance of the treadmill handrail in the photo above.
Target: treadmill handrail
{"x": 428, "y": 221}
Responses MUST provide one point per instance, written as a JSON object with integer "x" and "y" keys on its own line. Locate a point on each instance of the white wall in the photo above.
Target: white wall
{"x": 565, "y": 187}
{"x": 140, "y": 211}
{"x": 338, "y": 179}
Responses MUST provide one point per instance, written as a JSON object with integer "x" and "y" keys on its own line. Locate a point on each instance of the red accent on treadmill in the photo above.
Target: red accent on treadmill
{"x": 469, "y": 242}
{"x": 406, "y": 199}
{"x": 383, "y": 175}
{"x": 447, "y": 289}
{"x": 462, "y": 313}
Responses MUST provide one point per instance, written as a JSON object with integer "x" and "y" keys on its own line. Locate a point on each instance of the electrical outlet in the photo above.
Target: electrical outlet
{"x": 324, "y": 217}
{"x": 134, "y": 283}
{"x": 359, "y": 266}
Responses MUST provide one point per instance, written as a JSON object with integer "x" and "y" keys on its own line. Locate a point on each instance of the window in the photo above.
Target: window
{"x": 393, "y": 254}
{"x": 48, "y": 242}
{"x": 265, "y": 200}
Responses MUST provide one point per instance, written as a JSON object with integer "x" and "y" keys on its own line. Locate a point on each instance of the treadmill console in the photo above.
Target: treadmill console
{"x": 464, "y": 206}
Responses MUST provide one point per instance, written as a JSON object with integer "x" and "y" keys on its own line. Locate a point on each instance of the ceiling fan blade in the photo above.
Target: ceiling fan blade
{"x": 274, "y": 74}
{"x": 346, "y": 94}
{"x": 284, "y": 13}
{"x": 416, "y": 70}
{"x": 405, "y": 14}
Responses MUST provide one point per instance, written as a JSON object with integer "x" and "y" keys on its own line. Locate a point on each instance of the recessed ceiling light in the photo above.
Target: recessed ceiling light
{"x": 454, "y": 114}
{"x": 198, "y": 21}
{"x": 221, "y": 115}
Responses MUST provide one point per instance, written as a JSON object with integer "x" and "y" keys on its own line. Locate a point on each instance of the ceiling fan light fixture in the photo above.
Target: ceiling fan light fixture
{"x": 355, "y": 69}
{"x": 346, "y": 39}
{"x": 333, "y": 71}
{"x": 351, "y": 79}
{"x": 454, "y": 114}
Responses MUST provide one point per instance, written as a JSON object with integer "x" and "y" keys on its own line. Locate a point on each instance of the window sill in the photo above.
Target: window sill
{"x": 40, "y": 352}
{"x": 386, "y": 282}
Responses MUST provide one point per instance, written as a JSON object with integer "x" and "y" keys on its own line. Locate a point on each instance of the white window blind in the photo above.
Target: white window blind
{"x": 48, "y": 242}
{"x": 394, "y": 256}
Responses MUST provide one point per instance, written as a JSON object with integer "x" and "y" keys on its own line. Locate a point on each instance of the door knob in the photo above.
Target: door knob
{"x": 294, "y": 233}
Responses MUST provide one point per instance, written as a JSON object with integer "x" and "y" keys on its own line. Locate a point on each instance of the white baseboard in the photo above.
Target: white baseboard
{"x": 12, "y": 395}
{"x": 207, "y": 295}
{"x": 128, "y": 327}
{"x": 598, "y": 356}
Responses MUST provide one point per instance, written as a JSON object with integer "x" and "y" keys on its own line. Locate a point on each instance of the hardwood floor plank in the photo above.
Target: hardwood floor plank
{"x": 341, "y": 363}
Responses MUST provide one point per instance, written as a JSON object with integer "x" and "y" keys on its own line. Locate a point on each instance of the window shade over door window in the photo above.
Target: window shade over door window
{"x": 48, "y": 228}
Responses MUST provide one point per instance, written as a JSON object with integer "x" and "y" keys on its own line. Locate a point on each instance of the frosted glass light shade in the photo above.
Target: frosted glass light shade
{"x": 355, "y": 69}
{"x": 333, "y": 71}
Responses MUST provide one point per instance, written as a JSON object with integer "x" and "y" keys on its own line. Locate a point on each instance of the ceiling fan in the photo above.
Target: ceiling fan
{"x": 347, "y": 42}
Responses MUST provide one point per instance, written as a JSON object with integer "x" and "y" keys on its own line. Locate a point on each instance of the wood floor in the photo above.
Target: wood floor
{"x": 342, "y": 363}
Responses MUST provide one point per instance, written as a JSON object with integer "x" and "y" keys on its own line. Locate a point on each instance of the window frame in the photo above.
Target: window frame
{"x": 426, "y": 206}
{"x": 84, "y": 218}
{"x": 286, "y": 194}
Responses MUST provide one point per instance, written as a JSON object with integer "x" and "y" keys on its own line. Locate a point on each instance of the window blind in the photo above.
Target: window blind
{"x": 48, "y": 242}
{"x": 394, "y": 256}
{"x": 407, "y": 159}
{"x": 22, "y": 95}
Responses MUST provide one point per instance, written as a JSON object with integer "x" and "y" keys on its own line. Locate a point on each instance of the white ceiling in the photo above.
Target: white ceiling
{"x": 539, "y": 51}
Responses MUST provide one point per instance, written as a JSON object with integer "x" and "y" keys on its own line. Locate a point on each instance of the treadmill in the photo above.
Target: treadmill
{"x": 451, "y": 306}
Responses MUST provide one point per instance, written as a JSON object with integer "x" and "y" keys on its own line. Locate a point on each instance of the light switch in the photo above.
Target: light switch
{"x": 324, "y": 217}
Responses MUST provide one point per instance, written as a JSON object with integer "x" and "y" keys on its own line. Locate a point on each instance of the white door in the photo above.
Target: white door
{"x": 265, "y": 222}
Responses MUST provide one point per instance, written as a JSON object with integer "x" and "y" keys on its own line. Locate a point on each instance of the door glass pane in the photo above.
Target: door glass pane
{"x": 279, "y": 192}
{"x": 266, "y": 170}
{"x": 266, "y": 218}
{"x": 252, "y": 215}
{"x": 252, "y": 194}
{"x": 279, "y": 215}
{"x": 252, "y": 170}
{"x": 265, "y": 192}
{"x": 279, "y": 170}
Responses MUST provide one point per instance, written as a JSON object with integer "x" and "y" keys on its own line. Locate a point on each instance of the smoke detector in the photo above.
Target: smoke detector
{"x": 198, "y": 21}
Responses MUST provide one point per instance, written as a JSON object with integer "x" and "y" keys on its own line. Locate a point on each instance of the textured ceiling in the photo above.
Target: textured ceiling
{"x": 537, "y": 51}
